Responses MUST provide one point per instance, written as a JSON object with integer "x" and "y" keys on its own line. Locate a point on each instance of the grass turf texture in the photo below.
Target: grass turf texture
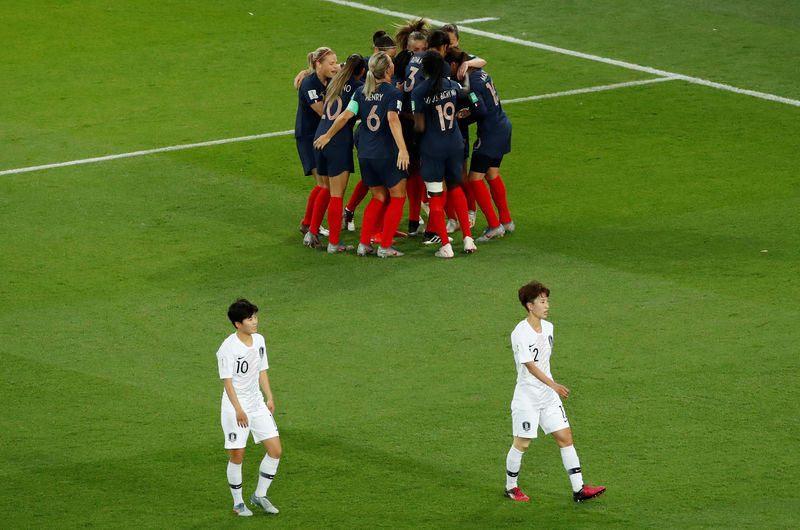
{"x": 645, "y": 209}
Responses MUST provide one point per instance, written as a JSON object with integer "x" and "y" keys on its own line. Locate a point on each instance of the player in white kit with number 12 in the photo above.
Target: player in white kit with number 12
{"x": 537, "y": 397}
{"x": 243, "y": 364}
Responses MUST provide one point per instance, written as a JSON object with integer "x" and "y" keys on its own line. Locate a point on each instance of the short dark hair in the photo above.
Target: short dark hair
{"x": 437, "y": 39}
{"x": 530, "y": 292}
{"x": 241, "y": 310}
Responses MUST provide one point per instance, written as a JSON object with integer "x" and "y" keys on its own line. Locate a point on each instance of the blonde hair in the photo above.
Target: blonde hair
{"x": 404, "y": 33}
{"x": 317, "y": 55}
{"x": 353, "y": 66}
{"x": 378, "y": 65}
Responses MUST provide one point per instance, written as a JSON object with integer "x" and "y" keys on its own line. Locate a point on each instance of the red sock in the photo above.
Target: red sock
{"x": 470, "y": 196}
{"x": 320, "y": 207}
{"x": 371, "y": 213}
{"x": 359, "y": 192}
{"x": 335, "y": 219}
{"x": 414, "y": 190}
{"x": 484, "y": 200}
{"x": 498, "y": 190}
{"x": 459, "y": 201}
{"x": 310, "y": 206}
{"x": 448, "y": 206}
{"x": 436, "y": 219}
{"x": 394, "y": 213}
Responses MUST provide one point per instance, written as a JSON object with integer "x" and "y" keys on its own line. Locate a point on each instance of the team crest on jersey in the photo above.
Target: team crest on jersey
{"x": 550, "y": 340}
{"x": 312, "y": 94}
{"x": 232, "y": 437}
{"x": 526, "y": 426}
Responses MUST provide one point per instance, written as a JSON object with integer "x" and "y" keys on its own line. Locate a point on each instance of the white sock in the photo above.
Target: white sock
{"x": 235, "y": 482}
{"x": 513, "y": 464}
{"x": 266, "y": 472}
{"x": 573, "y": 466}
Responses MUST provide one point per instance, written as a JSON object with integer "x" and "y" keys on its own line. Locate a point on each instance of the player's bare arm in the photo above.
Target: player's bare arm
{"x": 241, "y": 415}
{"x": 336, "y": 126}
{"x": 397, "y": 133}
{"x": 263, "y": 380}
{"x": 561, "y": 390}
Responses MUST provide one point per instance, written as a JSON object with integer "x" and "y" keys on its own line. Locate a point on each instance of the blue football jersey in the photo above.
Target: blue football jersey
{"x": 441, "y": 128}
{"x": 494, "y": 127}
{"x": 311, "y": 91}
{"x": 332, "y": 109}
{"x": 375, "y": 137}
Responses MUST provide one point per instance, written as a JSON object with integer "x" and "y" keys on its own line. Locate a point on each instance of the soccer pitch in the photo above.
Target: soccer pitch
{"x": 147, "y": 180}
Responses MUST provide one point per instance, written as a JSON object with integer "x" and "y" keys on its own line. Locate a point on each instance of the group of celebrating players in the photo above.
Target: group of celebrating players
{"x": 415, "y": 97}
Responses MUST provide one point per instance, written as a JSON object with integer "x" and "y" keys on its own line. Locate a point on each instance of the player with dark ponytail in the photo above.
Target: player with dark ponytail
{"x": 434, "y": 102}
{"x": 382, "y": 153}
{"x": 335, "y": 161}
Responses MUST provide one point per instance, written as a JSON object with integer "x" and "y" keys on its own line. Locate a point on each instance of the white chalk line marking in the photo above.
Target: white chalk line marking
{"x": 591, "y": 89}
{"x": 581, "y": 55}
{"x": 145, "y": 152}
{"x": 291, "y": 131}
{"x": 473, "y": 20}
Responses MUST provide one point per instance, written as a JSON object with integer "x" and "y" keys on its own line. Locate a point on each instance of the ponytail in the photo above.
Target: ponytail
{"x": 433, "y": 69}
{"x": 378, "y": 65}
{"x": 353, "y": 66}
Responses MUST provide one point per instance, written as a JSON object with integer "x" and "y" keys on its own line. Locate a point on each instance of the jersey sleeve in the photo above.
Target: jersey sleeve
{"x": 225, "y": 362}
{"x": 263, "y": 362}
{"x": 395, "y": 103}
{"x": 520, "y": 346}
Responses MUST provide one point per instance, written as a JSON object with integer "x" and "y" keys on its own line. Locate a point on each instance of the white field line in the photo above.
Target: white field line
{"x": 473, "y": 20}
{"x": 291, "y": 131}
{"x": 581, "y": 55}
{"x": 146, "y": 152}
{"x": 589, "y": 90}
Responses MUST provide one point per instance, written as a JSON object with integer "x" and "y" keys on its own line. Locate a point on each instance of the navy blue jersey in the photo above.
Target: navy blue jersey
{"x": 441, "y": 129}
{"x": 311, "y": 91}
{"x": 413, "y": 75}
{"x": 494, "y": 127}
{"x": 332, "y": 109}
{"x": 375, "y": 139}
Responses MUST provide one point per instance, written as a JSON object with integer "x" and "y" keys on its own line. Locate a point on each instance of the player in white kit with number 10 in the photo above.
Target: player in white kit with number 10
{"x": 537, "y": 397}
{"x": 242, "y": 361}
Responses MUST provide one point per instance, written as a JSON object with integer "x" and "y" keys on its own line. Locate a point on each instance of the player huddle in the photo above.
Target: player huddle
{"x": 415, "y": 97}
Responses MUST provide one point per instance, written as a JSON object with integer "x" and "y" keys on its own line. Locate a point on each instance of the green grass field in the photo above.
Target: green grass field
{"x": 664, "y": 217}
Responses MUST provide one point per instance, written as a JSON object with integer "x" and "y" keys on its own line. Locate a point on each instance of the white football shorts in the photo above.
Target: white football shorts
{"x": 527, "y": 419}
{"x": 260, "y": 423}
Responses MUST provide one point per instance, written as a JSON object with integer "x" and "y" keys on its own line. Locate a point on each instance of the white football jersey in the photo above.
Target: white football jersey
{"x": 243, "y": 364}
{"x": 528, "y": 345}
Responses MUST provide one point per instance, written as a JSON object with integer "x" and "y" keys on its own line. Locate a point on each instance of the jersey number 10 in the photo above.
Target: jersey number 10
{"x": 242, "y": 367}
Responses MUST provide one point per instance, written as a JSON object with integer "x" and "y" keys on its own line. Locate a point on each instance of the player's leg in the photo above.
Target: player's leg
{"x": 338, "y": 185}
{"x": 556, "y": 417}
{"x": 525, "y": 421}
{"x": 394, "y": 213}
{"x": 497, "y": 189}
{"x": 235, "y": 442}
{"x": 478, "y": 168}
{"x": 265, "y": 431}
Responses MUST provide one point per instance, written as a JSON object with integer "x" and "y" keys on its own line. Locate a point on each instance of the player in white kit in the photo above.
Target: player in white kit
{"x": 242, "y": 361}
{"x": 537, "y": 397}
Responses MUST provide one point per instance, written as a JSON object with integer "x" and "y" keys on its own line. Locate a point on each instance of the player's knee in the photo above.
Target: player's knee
{"x": 236, "y": 456}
